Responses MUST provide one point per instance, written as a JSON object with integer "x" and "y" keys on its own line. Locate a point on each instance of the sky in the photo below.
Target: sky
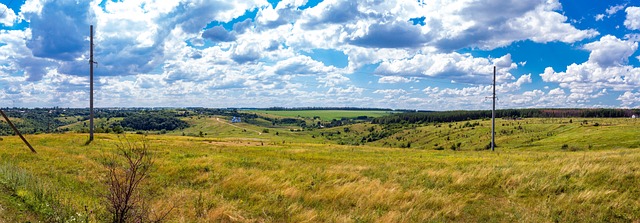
{"x": 413, "y": 54}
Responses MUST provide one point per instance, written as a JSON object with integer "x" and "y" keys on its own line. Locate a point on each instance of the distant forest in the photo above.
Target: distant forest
{"x": 329, "y": 108}
{"x": 454, "y": 116}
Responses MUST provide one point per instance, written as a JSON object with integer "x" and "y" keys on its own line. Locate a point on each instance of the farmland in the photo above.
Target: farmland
{"x": 544, "y": 169}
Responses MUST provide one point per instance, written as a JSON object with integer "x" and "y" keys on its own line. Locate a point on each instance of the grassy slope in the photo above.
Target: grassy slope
{"x": 527, "y": 134}
{"x": 221, "y": 128}
{"x": 246, "y": 177}
{"x": 12, "y": 210}
{"x": 326, "y": 115}
{"x": 79, "y": 126}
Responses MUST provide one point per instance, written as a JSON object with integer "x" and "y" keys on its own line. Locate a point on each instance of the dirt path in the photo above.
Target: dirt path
{"x": 218, "y": 119}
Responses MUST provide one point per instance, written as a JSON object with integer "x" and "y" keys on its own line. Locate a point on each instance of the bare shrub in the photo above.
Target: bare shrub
{"x": 128, "y": 170}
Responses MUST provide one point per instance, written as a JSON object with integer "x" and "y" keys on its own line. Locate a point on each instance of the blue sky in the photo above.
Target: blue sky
{"x": 432, "y": 55}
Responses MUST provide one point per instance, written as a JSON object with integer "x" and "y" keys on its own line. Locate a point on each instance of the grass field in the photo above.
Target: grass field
{"x": 325, "y": 115}
{"x": 250, "y": 177}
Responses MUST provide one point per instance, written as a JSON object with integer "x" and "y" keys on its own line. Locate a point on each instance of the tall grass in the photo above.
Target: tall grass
{"x": 238, "y": 180}
{"x": 40, "y": 196}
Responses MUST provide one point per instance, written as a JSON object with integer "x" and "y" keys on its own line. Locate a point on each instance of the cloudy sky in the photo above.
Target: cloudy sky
{"x": 413, "y": 54}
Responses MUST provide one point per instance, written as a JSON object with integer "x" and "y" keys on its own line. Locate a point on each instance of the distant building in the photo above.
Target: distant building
{"x": 236, "y": 119}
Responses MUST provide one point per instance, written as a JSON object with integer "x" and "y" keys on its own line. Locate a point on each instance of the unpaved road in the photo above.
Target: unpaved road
{"x": 218, "y": 119}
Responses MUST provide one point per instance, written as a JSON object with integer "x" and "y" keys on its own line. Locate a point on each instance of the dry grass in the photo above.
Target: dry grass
{"x": 303, "y": 182}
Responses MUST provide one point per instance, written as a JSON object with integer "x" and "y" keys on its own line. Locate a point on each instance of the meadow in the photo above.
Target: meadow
{"x": 325, "y": 115}
{"x": 240, "y": 174}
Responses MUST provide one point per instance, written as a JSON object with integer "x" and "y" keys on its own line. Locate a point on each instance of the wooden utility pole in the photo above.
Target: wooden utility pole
{"x": 493, "y": 113}
{"x": 91, "y": 85}
{"x": 17, "y": 132}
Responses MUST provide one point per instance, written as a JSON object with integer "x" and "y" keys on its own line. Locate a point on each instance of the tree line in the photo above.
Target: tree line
{"x": 327, "y": 108}
{"x": 455, "y": 116}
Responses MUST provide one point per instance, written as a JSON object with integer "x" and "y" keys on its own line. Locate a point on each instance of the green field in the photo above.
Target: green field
{"x": 233, "y": 175}
{"x": 325, "y": 115}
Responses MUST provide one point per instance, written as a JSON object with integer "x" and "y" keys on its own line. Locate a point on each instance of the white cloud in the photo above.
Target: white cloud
{"x": 614, "y": 9}
{"x": 461, "y": 68}
{"x": 18, "y": 56}
{"x": 302, "y": 65}
{"x": 611, "y": 51}
{"x": 633, "y": 18}
{"x": 449, "y": 24}
{"x": 630, "y": 99}
{"x": 556, "y": 91}
{"x": 332, "y": 80}
{"x": 473, "y": 25}
{"x": 285, "y": 12}
{"x": 9, "y": 17}
{"x": 605, "y": 70}
{"x": 610, "y": 11}
{"x": 392, "y": 93}
{"x": 476, "y": 97}
{"x": 349, "y": 90}
{"x": 181, "y": 53}
{"x": 635, "y": 37}
{"x": 394, "y": 80}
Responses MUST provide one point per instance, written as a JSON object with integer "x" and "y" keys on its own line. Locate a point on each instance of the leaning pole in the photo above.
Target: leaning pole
{"x": 17, "y": 131}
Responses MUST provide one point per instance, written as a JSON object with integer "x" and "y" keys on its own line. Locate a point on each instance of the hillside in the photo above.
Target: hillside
{"x": 544, "y": 169}
{"x": 249, "y": 180}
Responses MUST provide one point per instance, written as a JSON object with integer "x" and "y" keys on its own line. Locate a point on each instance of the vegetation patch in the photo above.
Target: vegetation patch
{"x": 153, "y": 121}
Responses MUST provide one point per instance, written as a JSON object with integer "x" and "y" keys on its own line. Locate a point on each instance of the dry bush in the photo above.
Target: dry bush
{"x": 127, "y": 174}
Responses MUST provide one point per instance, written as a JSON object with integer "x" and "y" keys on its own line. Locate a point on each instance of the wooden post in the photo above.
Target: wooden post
{"x": 17, "y": 132}
{"x": 493, "y": 113}
{"x": 91, "y": 85}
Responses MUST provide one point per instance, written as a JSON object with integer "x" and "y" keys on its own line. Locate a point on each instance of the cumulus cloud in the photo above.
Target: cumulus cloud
{"x": 633, "y": 18}
{"x": 246, "y": 52}
{"x": 630, "y": 99}
{"x": 614, "y": 9}
{"x": 392, "y": 93}
{"x": 302, "y": 65}
{"x": 475, "y": 25}
{"x": 556, "y": 91}
{"x": 606, "y": 69}
{"x": 285, "y": 12}
{"x": 611, "y": 51}
{"x": 18, "y": 56}
{"x": 394, "y": 35}
{"x": 394, "y": 80}
{"x": 461, "y": 68}
{"x": 9, "y": 17}
{"x": 330, "y": 12}
{"x": 349, "y": 90}
{"x": 333, "y": 79}
{"x": 167, "y": 53}
{"x": 59, "y": 29}
{"x": 193, "y": 16}
{"x": 448, "y": 25}
{"x": 219, "y": 34}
